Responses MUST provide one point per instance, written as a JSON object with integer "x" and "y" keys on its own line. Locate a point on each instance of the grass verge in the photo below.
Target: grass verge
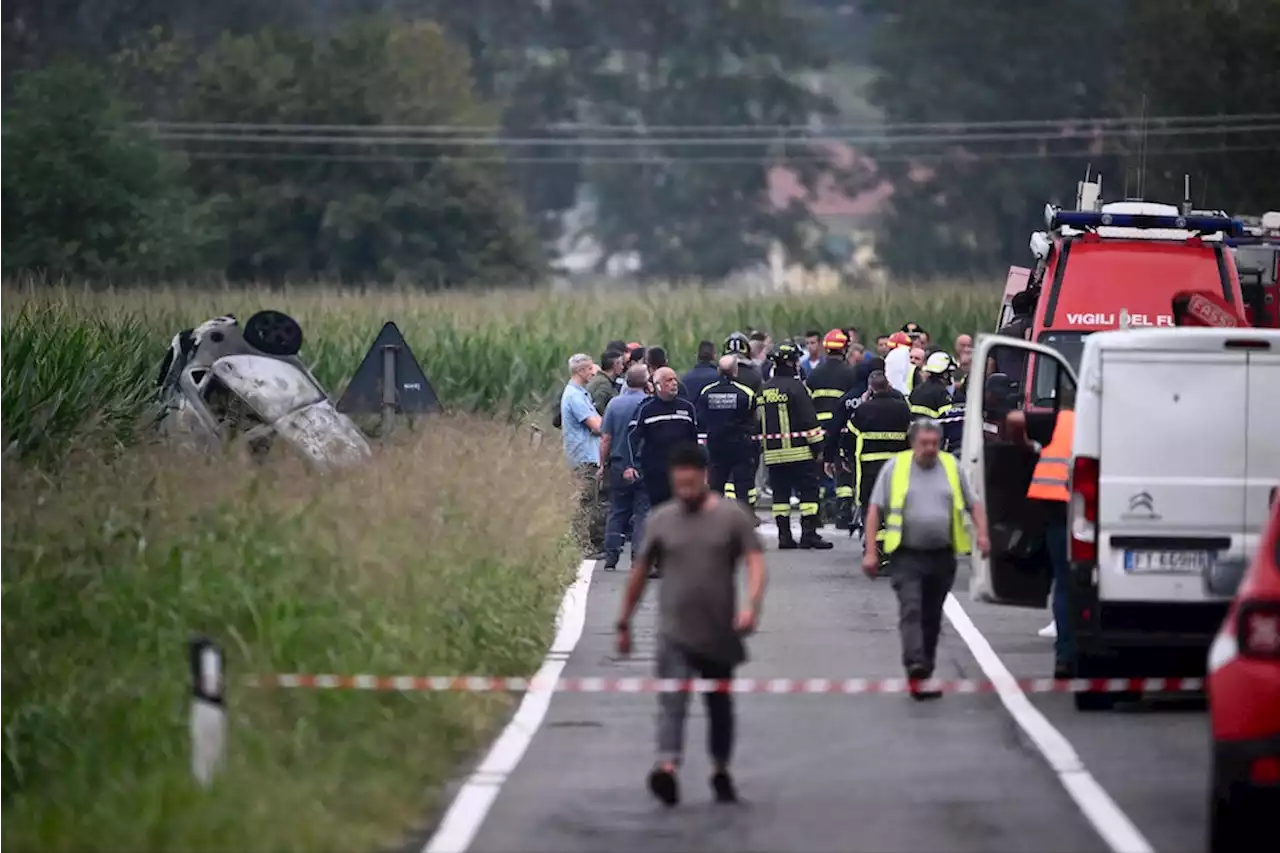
{"x": 445, "y": 555}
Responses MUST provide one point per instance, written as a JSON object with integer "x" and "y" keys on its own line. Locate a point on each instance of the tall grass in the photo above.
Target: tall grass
{"x": 446, "y": 555}
{"x": 78, "y": 359}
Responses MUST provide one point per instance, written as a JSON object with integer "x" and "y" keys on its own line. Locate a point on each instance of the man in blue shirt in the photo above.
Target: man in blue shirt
{"x": 580, "y": 425}
{"x": 628, "y": 500}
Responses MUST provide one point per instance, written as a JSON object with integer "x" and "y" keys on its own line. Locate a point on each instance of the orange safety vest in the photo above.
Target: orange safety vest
{"x": 1049, "y": 481}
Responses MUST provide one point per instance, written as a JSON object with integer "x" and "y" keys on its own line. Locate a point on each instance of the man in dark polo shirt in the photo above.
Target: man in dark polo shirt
{"x": 697, "y": 539}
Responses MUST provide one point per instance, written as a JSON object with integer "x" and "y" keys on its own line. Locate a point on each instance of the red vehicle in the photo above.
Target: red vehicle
{"x": 1244, "y": 704}
{"x": 1123, "y": 265}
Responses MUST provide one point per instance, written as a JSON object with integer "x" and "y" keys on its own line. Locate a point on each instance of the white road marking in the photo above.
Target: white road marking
{"x": 466, "y": 814}
{"x": 1115, "y": 827}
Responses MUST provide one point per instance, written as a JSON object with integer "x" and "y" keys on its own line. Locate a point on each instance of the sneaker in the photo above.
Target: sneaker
{"x": 1050, "y": 631}
{"x": 723, "y": 788}
{"x": 594, "y": 555}
{"x": 663, "y": 785}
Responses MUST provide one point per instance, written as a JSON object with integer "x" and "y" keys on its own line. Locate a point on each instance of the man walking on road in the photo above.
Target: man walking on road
{"x": 922, "y": 494}
{"x": 698, "y": 539}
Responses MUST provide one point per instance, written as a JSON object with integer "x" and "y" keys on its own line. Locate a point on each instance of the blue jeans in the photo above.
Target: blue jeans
{"x": 1055, "y": 540}
{"x": 628, "y": 507}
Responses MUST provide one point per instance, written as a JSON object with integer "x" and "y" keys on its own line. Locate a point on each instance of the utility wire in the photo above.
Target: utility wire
{"x": 958, "y": 157}
{"x": 705, "y": 142}
{"x": 798, "y": 129}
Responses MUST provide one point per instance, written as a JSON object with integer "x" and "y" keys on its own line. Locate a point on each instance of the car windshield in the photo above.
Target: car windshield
{"x": 1071, "y": 345}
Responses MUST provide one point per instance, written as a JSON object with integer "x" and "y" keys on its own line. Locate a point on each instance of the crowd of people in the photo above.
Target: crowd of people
{"x": 823, "y": 426}
{"x": 630, "y": 398}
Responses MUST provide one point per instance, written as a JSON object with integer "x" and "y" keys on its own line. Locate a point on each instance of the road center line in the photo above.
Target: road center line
{"x": 469, "y": 808}
{"x": 1115, "y": 827}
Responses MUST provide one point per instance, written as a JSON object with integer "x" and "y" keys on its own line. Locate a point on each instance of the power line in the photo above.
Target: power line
{"x": 270, "y": 156}
{"x": 803, "y": 130}
{"x": 704, "y": 142}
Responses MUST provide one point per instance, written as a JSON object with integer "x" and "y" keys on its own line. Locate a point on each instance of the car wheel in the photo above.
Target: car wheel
{"x": 274, "y": 333}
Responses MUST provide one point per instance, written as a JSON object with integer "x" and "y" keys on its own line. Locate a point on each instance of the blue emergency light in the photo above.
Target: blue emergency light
{"x": 1253, "y": 240}
{"x": 1089, "y": 220}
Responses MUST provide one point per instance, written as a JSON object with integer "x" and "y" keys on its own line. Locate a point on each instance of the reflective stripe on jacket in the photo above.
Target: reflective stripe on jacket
{"x": 791, "y": 429}
{"x": 900, "y": 482}
{"x": 1049, "y": 482}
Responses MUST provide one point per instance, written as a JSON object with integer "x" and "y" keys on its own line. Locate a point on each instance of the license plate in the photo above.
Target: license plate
{"x": 1173, "y": 562}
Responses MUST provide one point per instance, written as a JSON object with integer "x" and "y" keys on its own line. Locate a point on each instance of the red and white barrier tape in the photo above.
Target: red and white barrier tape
{"x": 848, "y": 686}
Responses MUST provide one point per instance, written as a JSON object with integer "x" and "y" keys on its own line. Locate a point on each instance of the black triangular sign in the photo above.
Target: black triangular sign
{"x": 414, "y": 394}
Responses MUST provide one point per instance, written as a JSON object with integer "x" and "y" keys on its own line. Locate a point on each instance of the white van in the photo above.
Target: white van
{"x": 1175, "y": 455}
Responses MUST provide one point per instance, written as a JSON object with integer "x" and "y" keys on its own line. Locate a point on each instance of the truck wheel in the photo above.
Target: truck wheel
{"x": 274, "y": 333}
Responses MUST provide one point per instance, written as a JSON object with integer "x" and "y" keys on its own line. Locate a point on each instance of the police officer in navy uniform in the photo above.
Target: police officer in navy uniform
{"x": 791, "y": 438}
{"x": 662, "y": 422}
{"x": 729, "y": 420}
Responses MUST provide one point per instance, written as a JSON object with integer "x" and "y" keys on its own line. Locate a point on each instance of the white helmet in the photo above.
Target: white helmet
{"x": 939, "y": 364}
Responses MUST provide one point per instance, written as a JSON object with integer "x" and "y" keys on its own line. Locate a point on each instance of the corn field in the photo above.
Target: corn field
{"x": 80, "y": 363}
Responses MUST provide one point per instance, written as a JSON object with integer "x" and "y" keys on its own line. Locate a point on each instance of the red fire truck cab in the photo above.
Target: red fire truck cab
{"x": 1121, "y": 266}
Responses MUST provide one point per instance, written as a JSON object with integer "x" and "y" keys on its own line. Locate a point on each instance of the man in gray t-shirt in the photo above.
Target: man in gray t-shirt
{"x": 698, "y": 538}
{"x": 923, "y": 567}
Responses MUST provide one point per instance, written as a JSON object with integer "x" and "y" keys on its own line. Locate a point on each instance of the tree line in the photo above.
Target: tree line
{"x": 441, "y": 142}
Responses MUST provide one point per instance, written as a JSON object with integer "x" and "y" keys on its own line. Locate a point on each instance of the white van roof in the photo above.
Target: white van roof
{"x": 1177, "y": 339}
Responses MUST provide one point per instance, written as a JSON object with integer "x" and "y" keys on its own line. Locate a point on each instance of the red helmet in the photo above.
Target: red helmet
{"x": 899, "y": 339}
{"x": 835, "y": 340}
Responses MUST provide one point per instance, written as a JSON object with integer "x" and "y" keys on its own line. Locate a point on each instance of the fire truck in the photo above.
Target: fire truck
{"x": 1257, "y": 255}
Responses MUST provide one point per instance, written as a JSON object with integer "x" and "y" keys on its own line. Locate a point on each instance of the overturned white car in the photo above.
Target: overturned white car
{"x": 222, "y": 383}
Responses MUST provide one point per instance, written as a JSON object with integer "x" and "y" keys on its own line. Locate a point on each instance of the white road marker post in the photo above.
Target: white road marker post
{"x": 208, "y": 713}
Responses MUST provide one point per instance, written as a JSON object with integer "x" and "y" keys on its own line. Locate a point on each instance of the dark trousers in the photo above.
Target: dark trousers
{"x": 1055, "y": 541}
{"x": 798, "y": 478}
{"x": 673, "y": 708}
{"x": 628, "y": 508}
{"x": 657, "y": 484}
{"x": 590, "y": 520}
{"x": 733, "y": 474}
{"x": 922, "y": 580}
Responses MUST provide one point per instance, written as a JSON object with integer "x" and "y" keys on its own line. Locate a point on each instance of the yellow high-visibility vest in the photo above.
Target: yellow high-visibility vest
{"x": 898, "y": 485}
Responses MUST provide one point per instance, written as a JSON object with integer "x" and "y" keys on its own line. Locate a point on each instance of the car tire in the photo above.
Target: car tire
{"x": 274, "y": 333}
{"x": 1225, "y": 835}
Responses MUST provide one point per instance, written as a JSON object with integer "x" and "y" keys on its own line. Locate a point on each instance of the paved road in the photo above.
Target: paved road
{"x": 842, "y": 773}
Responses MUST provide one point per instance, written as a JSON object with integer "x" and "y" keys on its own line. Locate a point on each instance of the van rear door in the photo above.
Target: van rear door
{"x": 1172, "y": 464}
{"x": 1262, "y": 450}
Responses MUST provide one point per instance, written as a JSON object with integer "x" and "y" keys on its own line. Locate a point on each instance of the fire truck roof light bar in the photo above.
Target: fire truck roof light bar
{"x": 1089, "y": 220}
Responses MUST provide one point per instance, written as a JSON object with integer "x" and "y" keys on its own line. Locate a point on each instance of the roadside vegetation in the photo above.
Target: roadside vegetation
{"x": 78, "y": 360}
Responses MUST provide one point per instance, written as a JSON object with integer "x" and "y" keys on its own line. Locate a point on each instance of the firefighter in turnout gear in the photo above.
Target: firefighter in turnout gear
{"x": 791, "y": 436}
{"x": 738, "y": 345}
{"x": 870, "y": 435}
{"x": 828, "y": 383}
{"x": 931, "y": 399}
{"x": 729, "y": 422}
